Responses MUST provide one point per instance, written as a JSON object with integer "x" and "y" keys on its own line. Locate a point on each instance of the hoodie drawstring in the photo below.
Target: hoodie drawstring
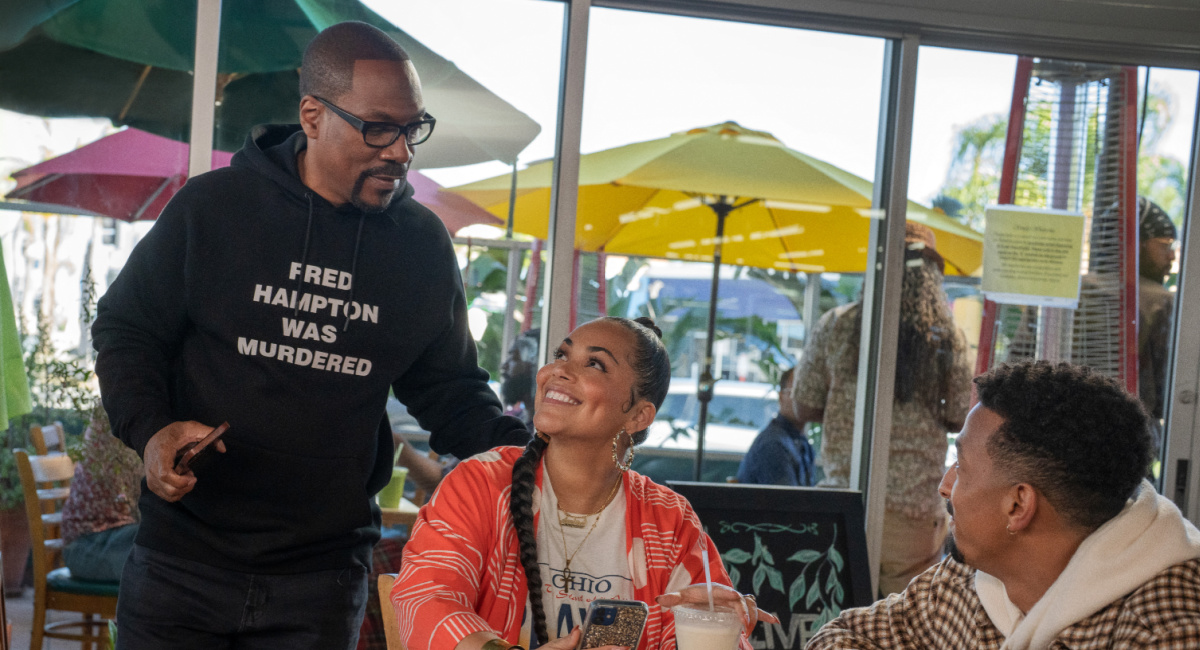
{"x": 354, "y": 268}
{"x": 303, "y": 255}
{"x": 304, "y": 260}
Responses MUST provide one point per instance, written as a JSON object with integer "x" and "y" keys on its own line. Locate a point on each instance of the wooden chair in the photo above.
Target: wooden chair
{"x": 45, "y": 480}
{"x": 48, "y": 438}
{"x": 391, "y": 626}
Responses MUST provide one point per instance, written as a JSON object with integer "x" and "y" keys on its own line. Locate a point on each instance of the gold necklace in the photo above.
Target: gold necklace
{"x": 571, "y": 520}
{"x": 567, "y": 569}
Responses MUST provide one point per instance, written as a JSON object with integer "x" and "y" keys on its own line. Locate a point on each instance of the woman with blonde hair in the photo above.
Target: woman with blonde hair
{"x": 517, "y": 542}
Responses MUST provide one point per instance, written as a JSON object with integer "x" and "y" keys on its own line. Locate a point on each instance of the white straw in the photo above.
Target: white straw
{"x": 708, "y": 579}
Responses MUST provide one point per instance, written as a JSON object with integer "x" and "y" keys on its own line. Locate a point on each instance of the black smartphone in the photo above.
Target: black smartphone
{"x": 196, "y": 455}
{"x": 614, "y": 622}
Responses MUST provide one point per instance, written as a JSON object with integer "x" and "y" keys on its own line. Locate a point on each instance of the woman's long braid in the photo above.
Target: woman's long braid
{"x": 524, "y": 474}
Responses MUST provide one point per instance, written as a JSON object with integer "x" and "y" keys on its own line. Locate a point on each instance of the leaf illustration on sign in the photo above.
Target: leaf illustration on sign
{"x": 762, "y": 562}
{"x": 735, "y": 555}
{"x": 829, "y": 593}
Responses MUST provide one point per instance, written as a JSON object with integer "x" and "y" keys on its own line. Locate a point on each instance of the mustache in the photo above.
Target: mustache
{"x": 949, "y": 508}
{"x": 394, "y": 169}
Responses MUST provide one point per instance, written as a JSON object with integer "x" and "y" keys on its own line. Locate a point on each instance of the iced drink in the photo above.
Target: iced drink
{"x": 697, "y": 628}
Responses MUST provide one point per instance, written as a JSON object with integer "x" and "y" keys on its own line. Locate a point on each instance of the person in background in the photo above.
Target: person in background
{"x": 1057, "y": 541}
{"x": 517, "y": 376}
{"x": 423, "y": 471}
{"x": 287, "y": 294}
{"x": 1156, "y": 234}
{"x": 781, "y": 453}
{"x": 932, "y": 393}
{"x": 100, "y": 516}
{"x": 517, "y": 542}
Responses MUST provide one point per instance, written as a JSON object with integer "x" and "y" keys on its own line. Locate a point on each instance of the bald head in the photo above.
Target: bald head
{"x": 328, "y": 67}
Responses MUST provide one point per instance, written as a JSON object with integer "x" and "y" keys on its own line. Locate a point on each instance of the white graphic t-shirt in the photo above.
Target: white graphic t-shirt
{"x": 600, "y": 569}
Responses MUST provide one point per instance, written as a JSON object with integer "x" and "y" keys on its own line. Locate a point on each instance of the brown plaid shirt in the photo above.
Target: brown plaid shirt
{"x": 940, "y": 610}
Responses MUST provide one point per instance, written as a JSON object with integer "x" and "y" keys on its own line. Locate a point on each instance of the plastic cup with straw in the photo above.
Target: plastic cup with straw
{"x": 708, "y": 579}
{"x": 717, "y": 628}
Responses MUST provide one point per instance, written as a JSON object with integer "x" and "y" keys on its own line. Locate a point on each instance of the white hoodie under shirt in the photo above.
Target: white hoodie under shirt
{"x": 1147, "y": 537}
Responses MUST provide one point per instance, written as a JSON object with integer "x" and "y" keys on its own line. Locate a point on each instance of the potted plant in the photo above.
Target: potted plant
{"x": 14, "y": 528}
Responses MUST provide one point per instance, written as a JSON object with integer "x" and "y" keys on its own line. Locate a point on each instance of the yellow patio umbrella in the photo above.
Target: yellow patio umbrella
{"x": 656, "y": 199}
{"x": 717, "y": 193}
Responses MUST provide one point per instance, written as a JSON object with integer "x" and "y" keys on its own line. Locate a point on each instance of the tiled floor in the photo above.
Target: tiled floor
{"x": 20, "y": 613}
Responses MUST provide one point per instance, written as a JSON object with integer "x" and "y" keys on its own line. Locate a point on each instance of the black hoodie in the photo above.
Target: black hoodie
{"x": 256, "y": 301}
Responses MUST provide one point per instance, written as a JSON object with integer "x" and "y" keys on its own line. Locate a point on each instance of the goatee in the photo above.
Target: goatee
{"x": 952, "y": 549}
{"x": 356, "y": 195}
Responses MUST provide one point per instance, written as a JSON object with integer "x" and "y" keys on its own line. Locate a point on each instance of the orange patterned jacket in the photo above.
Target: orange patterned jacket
{"x": 462, "y": 574}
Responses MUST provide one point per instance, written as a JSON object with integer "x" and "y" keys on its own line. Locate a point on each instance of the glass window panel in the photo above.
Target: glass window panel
{"x": 500, "y": 271}
{"x": 959, "y": 128}
{"x": 799, "y": 129}
{"x": 964, "y": 104}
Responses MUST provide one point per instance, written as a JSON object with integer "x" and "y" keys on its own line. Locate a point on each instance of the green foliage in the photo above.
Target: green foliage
{"x": 973, "y": 179}
{"x": 62, "y": 390}
{"x": 619, "y": 291}
{"x": 487, "y": 273}
{"x": 10, "y": 483}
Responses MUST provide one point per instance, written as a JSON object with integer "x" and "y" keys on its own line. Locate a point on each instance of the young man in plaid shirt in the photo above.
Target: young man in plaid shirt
{"x": 1057, "y": 541}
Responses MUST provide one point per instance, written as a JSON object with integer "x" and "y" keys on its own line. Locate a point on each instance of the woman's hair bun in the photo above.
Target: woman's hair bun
{"x": 648, "y": 323}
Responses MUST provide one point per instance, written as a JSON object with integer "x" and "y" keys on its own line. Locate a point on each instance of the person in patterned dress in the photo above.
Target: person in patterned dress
{"x": 1057, "y": 541}
{"x": 100, "y": 516}
{"x": 932, "y": 393}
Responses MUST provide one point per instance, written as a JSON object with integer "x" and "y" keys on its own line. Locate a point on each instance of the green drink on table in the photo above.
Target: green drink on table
{"x": 390, "y": 495}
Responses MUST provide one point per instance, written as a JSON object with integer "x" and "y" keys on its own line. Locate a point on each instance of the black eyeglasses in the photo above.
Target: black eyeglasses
{"x": 383, "y": 134}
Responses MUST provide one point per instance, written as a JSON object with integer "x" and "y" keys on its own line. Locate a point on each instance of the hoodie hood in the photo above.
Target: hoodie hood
{"x": 272, "y": 150}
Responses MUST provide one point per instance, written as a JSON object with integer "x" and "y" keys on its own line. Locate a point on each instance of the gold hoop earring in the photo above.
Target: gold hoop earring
{"x": 1011, "y": 532}
{"x": 543, "y": 437}
{"x": 616, "y": 446}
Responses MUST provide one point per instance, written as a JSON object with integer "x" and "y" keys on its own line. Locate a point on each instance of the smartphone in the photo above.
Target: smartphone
{"x": 614, "y": 622}
{"x": 195, "y": 455}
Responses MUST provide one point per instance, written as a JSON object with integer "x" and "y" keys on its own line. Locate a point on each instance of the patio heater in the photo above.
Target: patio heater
{"x": 1072, "y": 145}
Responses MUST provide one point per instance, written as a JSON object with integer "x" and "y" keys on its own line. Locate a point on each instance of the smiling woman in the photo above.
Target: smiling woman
{"x": 567, "y": 523}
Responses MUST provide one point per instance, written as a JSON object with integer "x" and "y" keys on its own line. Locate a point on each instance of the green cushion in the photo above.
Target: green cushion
{"x": 61, "y": 580}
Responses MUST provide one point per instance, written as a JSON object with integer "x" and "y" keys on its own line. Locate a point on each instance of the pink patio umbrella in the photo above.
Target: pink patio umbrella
{"x": 130, "y": 175}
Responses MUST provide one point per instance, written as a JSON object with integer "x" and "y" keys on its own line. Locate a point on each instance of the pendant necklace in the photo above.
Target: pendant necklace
{"x": 571, "y": 520}
{"x": 567, "y": 569}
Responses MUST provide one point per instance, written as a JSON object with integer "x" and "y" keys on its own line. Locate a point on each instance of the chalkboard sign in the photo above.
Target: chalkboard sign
{"x": 801, "y": 551}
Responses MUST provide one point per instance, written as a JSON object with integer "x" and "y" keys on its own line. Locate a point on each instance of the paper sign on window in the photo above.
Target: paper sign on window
{"x": 1032, "y": 256}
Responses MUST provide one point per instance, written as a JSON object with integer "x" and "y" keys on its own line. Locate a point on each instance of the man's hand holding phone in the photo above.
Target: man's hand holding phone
{"x": 160, "y": 458}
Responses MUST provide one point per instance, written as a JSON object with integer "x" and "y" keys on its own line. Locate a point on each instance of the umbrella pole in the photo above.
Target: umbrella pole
{"x": 515, "y": 259}
{"x": 704, "y": 388}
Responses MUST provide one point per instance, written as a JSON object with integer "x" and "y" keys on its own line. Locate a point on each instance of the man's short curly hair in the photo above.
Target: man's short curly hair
{"x": 327, "y": 69}
{"x": 1072, "y": 433}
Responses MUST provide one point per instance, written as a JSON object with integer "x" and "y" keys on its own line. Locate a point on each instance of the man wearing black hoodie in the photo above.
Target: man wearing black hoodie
{"x": 286, "y": 295}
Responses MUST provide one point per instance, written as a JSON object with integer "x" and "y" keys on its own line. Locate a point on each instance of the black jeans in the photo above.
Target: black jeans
{"x": 169, "y": 602}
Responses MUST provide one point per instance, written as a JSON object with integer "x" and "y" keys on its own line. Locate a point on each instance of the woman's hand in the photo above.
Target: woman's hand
{"x": 697, "y": 594}
{"x": 571, "y": 641}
